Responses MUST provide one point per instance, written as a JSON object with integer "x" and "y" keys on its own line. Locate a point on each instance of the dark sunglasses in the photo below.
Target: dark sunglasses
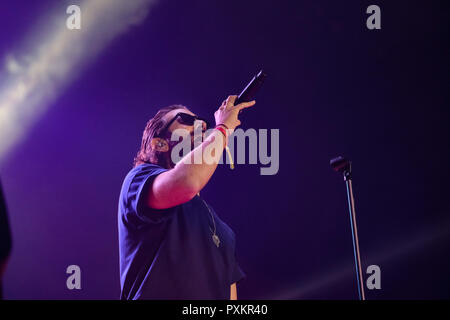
{"x": 183, "y": 118}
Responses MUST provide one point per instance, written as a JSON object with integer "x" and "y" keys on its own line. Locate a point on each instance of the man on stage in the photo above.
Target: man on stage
{"x": 172, "y": 244}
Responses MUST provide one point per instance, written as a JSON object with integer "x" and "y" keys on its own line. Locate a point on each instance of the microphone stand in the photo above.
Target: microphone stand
{"x": 344, "y": 166}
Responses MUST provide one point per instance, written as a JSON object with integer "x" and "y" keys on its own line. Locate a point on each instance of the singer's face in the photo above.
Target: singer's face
{"x": 188, "y": 128}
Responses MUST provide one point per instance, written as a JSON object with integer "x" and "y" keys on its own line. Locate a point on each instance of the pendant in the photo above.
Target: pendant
{"x": 216, "y": 240}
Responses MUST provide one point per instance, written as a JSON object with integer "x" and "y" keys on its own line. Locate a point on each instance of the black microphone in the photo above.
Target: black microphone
{"x": 251, "y": 89}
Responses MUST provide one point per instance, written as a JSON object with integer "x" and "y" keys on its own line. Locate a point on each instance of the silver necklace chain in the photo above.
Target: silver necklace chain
{"x": 215, "y": 237}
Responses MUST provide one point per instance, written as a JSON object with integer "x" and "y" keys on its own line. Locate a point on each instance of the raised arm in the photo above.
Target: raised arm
{"x": 181, "y": 183}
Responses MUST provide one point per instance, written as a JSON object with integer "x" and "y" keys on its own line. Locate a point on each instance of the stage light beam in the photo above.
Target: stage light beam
{"x": 33, "y": 78}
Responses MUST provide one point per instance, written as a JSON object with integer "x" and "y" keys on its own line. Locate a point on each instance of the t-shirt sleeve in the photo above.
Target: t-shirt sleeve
{"x": 138, "y": 188}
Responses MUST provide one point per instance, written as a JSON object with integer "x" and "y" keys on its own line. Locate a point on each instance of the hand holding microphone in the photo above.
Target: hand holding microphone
{"x": 227, "y": 114}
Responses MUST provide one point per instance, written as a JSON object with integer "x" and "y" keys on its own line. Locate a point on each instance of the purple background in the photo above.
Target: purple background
{"x": 334, "y": 87}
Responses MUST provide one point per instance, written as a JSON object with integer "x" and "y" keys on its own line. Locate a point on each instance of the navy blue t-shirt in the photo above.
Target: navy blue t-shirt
{"x": 170, "y": 253}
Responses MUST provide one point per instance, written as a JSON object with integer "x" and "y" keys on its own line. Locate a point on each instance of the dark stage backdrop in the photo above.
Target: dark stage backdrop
{"x": 334, "y": 87}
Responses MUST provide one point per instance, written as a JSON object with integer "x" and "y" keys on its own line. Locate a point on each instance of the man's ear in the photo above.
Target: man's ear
{"x": 159, "y": 144}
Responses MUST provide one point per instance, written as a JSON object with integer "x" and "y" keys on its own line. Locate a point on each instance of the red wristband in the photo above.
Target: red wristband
{"x": 222, "y": 124}
{"x": 224, "y": 132}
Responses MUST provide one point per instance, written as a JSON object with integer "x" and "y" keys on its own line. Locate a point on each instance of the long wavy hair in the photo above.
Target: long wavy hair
{"x": 146, "y": 154}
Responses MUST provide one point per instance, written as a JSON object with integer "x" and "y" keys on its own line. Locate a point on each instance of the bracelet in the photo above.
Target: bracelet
{"x": 221, "y": 124}
{"x": 222, "y": 130}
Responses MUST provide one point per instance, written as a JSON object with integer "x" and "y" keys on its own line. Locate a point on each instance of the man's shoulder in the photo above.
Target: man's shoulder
{"x": 143, "y": 169}
{"x": 138, "y": 175}
{"x": 133, "y": 184}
